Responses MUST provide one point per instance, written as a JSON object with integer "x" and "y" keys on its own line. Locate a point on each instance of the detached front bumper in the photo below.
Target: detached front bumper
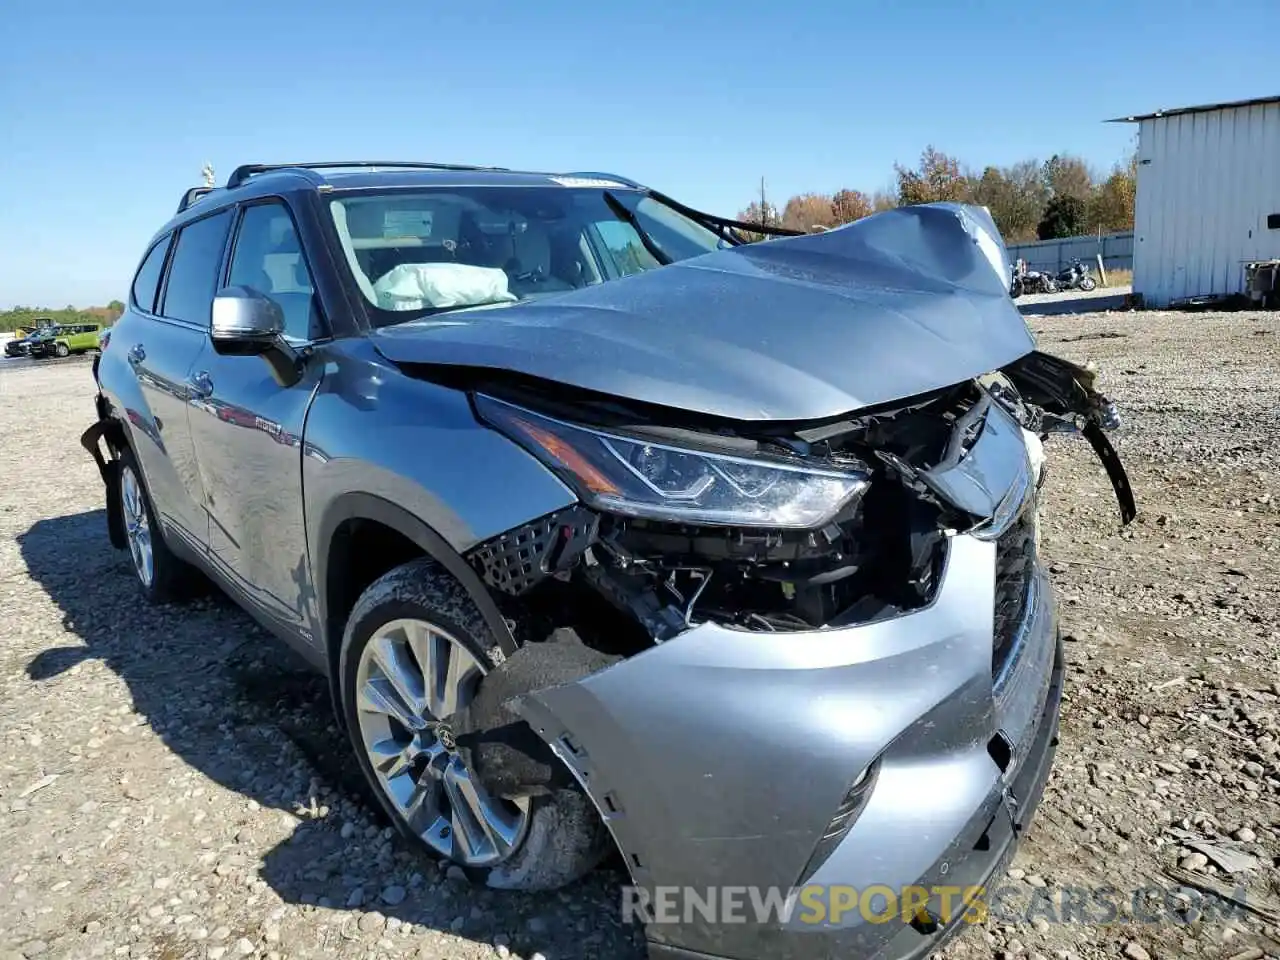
{"x": 720, "y": 758}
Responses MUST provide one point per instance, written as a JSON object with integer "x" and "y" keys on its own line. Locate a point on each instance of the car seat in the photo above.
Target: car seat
{"x": 529, "y": 265}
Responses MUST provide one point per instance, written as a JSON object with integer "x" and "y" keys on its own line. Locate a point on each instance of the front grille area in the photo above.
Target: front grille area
{"x": 514, "y": 561}
{"x": 1015, "y": 559}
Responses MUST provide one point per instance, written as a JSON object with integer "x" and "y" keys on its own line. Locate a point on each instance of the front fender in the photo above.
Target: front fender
{"x": 365, "y": 506}
{"x": 382, "y": 446}
{"x": 373, "y": 429}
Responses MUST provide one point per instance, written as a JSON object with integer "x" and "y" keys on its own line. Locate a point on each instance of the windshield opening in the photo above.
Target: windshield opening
{"x": 422, "y": 252}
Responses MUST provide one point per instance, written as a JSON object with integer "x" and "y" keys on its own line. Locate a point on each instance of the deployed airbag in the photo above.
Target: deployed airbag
{"x": 417, "y": 286}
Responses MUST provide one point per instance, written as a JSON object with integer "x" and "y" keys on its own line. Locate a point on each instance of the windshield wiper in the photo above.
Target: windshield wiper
{"x": 731, "y": 229}
{"x": 437, "y": 311}
{"x": 626, "y": 215}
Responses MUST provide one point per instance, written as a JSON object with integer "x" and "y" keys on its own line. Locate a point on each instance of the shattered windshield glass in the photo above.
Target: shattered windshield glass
{"x": 418, "y": 253}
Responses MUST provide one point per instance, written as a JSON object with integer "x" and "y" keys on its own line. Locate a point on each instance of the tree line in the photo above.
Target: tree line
{"x": 1031, "y": 200}
{"x": 26, "y": 317}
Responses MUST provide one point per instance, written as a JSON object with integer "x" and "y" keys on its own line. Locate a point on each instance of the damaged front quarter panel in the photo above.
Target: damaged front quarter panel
{"x": 796, "y": 329}
{"x": 731, "y": 684}
{"x": 724, "y": 756}
{"x": 717, "y": 745}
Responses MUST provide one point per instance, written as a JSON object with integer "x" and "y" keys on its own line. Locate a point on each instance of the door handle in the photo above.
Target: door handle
{"x": 137, "y": 354}
{"x": 200, "y": 385}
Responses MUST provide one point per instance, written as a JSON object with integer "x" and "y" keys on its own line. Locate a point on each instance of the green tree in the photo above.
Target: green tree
{"x": 1111, "y": 207}
{"x": 883, "y": 200}
{"x": 809, "y": 210}
{"x": 766, "y": 216}
{"x": 850, "y": 205}
{"x": 1068, "y": 176}
{"x": 1016, "y": 197}
{"x": 1065, "y": 216}
{"x": 937, "y": 178}
{"x": 26, "y": 317}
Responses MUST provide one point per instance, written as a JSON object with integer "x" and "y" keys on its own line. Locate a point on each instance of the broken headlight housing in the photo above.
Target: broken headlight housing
{"x": 638, "y": 477}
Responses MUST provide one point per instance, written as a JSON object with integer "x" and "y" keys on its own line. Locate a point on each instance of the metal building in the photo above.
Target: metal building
{"x": 1208, "y": 197}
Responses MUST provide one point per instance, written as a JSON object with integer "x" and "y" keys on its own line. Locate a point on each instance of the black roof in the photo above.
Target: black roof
{"x": 1202, "y": 108}
{"x": 254, "y": 180}
{"x": 393, "y": 173}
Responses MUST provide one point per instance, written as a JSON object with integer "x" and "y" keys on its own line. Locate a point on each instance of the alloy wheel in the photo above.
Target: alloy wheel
{"x": 137, "y": 526}
{"x": 412, "y": 676}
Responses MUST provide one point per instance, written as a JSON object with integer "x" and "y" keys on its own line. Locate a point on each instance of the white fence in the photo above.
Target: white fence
{"x": 1054, "y": 255}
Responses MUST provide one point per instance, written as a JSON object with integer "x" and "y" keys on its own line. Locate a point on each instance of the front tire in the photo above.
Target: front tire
{"x": 1088, "y": 284}
{"x": 60, "y": 350}
{"x": 414, "y": 651}
{"x": 162, "y": 575}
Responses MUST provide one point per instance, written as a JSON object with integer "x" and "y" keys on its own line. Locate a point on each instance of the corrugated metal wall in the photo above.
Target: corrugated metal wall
{"x": 1206, "y": 184}
{"x": 1116, "y": 250}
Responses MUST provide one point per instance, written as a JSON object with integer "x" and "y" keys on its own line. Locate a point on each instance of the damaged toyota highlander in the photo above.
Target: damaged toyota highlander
{"x": 614, "y": 533}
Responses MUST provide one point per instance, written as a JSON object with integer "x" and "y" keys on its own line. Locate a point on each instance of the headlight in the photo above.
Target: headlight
{"x": 642, "y": 478}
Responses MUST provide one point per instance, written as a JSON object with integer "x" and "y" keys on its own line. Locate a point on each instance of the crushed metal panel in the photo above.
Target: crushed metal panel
{"x": 799, "y": 328}
{"x": 669, "y": 743}
{"x": 992, "y": 477}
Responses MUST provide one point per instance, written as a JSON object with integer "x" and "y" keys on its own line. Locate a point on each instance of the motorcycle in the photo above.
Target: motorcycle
{"x": 1031, "y": 281}
{"x": 1076, "y": 277}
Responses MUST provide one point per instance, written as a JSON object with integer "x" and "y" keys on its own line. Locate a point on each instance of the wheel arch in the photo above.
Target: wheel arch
{"x": 357, "y": 518}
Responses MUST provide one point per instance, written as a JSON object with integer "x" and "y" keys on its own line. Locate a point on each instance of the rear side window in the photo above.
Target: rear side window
{"x": 193, "y": 273}
{"x": 147, "y": 281}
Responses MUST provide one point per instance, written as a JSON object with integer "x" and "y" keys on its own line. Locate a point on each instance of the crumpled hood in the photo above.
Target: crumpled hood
{"x": 799, "y": 328}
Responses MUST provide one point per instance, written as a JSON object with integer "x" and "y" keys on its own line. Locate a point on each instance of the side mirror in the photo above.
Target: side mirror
{"x": 245, "y": 322}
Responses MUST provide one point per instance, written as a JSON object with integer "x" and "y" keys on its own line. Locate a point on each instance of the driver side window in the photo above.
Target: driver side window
{"x": 268, "y": 258}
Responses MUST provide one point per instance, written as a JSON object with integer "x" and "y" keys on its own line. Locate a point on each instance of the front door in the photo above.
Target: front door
{"x": 248, "y": 432}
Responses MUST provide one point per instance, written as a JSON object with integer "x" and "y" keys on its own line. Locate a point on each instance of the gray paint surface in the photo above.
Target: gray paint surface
{"x": 724, "y": 752}
{"x": 719, "y": 756}
{"x": 426, "y": 453}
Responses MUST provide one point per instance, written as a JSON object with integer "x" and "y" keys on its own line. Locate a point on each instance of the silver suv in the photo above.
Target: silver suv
{"x": 612, "y": 530}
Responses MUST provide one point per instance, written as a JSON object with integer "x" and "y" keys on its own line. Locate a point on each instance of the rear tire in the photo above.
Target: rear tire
{"x": 162, "y": 576}
{"x": 417, "y": 621}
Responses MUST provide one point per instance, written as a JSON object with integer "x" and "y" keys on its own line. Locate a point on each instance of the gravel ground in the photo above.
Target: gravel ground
{"x": 171, "y": 785}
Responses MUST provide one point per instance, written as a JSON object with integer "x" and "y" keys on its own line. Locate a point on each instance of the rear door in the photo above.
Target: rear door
{"x": 248, "y": 429}
{"x": 161, "y": 350}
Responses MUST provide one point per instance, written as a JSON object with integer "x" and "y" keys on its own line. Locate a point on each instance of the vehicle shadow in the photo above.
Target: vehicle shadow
{"x": 238, "y": 706}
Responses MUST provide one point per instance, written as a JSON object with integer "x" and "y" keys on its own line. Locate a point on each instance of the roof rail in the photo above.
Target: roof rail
{"x": 192, "y": 195}
{"x": 242, "y": 173}
{"x": 597, "y": 175}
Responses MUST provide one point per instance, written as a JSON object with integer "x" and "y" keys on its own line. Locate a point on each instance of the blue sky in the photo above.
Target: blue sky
{"x": 108, "y": 110}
